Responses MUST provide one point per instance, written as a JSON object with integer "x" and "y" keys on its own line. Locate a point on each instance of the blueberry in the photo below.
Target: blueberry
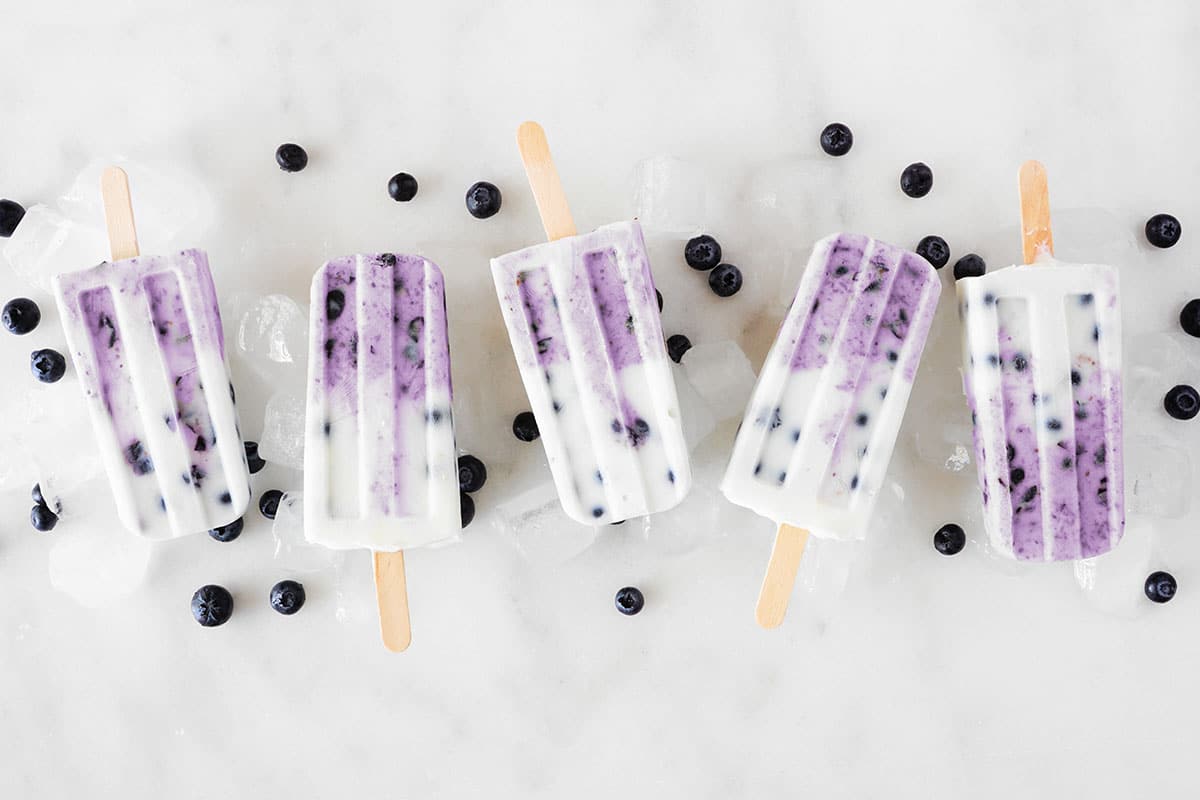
{"x": 36, "y": 494}
{"x": 836, "y": 139}
{"x": 658, "y": 296}
{"x": 11, "y": 213}
{"x": 969, "y": 266}
{"x": 335, "y": 304}
{"x": 629, "y": 600}
{"x": 916, "y": 180}
{"x": 402, "y": 187}
{"x": 268, "y": 502}
{"x": 1182, "y": 402}
{"x": 950, "y": 539}
{"x": 1189, "y": 317}
{"x": 483, "y": 200}
{"x": 1160, "y": 586}
{"x": 20, "y": 315}
{"x": 472, "y": 474}
{"x": 677, "y": 345}
{"x": 253, "y": 459}
{"x": 287, "y": 597}
{"x": 725, "y": 280}
{"x": 702, "y": 252}
{"x": 291, "y": 157}
{"x": 227, "y": 533}
{"x": 525, "y": 427}
{"x": 212, "y": 605}
{"x": 48, "y": 365}
{"x": 1163, "y": 230}
{"x": 42, "y": 518}
{"x": 934, "y": 250}
{"x": 466, "y": 507}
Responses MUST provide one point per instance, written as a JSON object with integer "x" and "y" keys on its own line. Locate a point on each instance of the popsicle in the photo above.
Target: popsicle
{"x": 379, "y": 458}
{"x": 1042, "y": 375}
{"x": 818, "y": 432}
{"x": 583, "y": 320}
{"x": 146, "y": 340}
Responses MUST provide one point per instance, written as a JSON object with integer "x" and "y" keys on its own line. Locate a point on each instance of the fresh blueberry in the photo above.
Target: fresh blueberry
{"x": 48, "y": 365}
{"x": 268, "y": 502}
{"x": 658, "y": 295}
{"x": 836, "y": 139}
{"x": 702, "y": 252}
{"x": 11, "y": 213}
{"x": 934, "y": 250}
{"x": 1160, "y": 586}
{"x": 525, "y": 427}
{"x": 21, "y": 315}
{"x": 227, "y": 533}
{"x": 1182, "y": 402}
{"x": 472, "y": 474}
{"x": 950, "y": 539}
{"x": 291, "y": 157}
{"x": 916, "y": 180}
{"x": 42, "y": 518}
{"x": 677, "y": 345}
{"x": 1189, "y": 318}
{"x": 402, "y": 187}
{"x": 725, "y": 280}
{"x": 1163, "y": 230}
{"x": 287, "y": 597}
{"x": 629, "y": 600}
{"x": 969, "y": 266}
{"x": 483, "y": 200}
{"x": 253, "y": 459}
{"x": 466, "y": 507}
{"x": 212, "y": 605}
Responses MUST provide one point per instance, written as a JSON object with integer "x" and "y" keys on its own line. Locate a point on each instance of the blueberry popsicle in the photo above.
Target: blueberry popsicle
{"x": 1042, "y": 374}
{"x": 146, "y": 340}
{"x": 583, "y": 321}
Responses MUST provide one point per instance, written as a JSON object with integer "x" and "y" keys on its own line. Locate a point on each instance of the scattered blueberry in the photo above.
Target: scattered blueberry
{"x": 42, "y": 518}
{"x": 483, "y": 200}
{"x": 702, "y": 252}
{"x": 472, "y": 474}
{"x": 11, "y": 213}
{"x": 916, "y": 180}
{"x": 525, "y": 427}
{"x": 1163, "y": 230}
{"x": 725, "y": 280}
{"x": 291, "y": 157}
{"x": 1189, "y": 318}
{"x": 48, "y": 365}
{"x": 227, "y": 533}
{"x": 950, "y": 539}
{"x": 934, "y": 250}
{"x": 677, "y": 345}
{"x": 402, "y": 187}
{"x": 1182, "y": 402}
{"x": 1160, "y": 586}
{"x": 212, "y": 605}
{"x": 253, "y": 459}
{"x": 287, "y": 597}
{"x": 969, "y": 266}
{"x": 268, "y": 502}
{"x": 658, "y": 295}
{"x": 21, "y": 315}
{"x": 466, "y": 507}
{"x": 836, "y": 139}
{"x": 629, "y": 600}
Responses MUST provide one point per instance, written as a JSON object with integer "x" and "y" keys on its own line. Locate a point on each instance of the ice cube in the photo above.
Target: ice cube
{"x": 59, "y": 438}
{"x": 826, "y": 567}
{"x": 1114, "y": 582}
{"x": 292, "y": 551}
{"x": 47, "y": 243}
{"x": 272, "y": 337}
{"x": 721, "y": 374}
{"x": 282, "y": 440}
{"x": 698, "y": 420}
{"x": 532, "y": 518}
{"x": 670, "y": 195}
{"x": 1158, "y": 477}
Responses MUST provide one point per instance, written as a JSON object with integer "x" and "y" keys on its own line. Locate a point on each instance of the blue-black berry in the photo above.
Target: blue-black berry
{"x": 1182, "y": 402}
{"x": 916, "y": 180}
{"x": 969, "y": 266}
{"x": 1160, "y": 586}
{"x": 291, "y": 157}
{"x": 402, "y": 187}
{"x": 48, "y": 365}
{"x": 677, "y": 345}
{"x": 20, "y": 316}
{"x": 42, "y": 518}
{"x": 268, "y": 502}
{"x": 11, "y": 214}
{"x": 1163, "y": 230}
{"x": 472, "y": 473}
{"x": 702, "y": 252}
{"x": 525, "y": 427}
{"x": 950, "y": 539}
{"x": 227, "y": 533}
{"x": 629, "y": 600}
{"x": 253, "y": 459}
{"x": 836, "y": 139}
{"x": 1189, "y": 317}
{"x": 725, "y": 280}
{"x": 483, "y": 200}
{"x": 212, "y": 605}
{"x": 287, "y": 597}
{"x": 934, "y": 250}
{"x": 466, "y": 507}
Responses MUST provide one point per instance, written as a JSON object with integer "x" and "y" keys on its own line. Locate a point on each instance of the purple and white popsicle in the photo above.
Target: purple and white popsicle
{"x": 380, "y": 466}
{"x": 146, "y": 340}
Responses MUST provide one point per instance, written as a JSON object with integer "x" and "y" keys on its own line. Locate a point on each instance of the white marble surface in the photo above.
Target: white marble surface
{"x": 927, "y": 678}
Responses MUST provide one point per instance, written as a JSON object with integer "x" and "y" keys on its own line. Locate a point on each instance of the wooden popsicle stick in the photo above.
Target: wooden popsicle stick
{"x": 1036, "y": 238}
{"x": 391, "y": 593}
{"x": 777, "y": 584}
{"x": 543, "y": 180}
{"x": 118, "y": 213}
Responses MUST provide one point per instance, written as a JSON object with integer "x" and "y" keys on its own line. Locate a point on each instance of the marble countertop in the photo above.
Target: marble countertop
{"x": 924, "y": 677}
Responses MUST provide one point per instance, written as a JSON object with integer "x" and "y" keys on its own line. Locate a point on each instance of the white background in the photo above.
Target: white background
{"x": 928, "y": 677}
